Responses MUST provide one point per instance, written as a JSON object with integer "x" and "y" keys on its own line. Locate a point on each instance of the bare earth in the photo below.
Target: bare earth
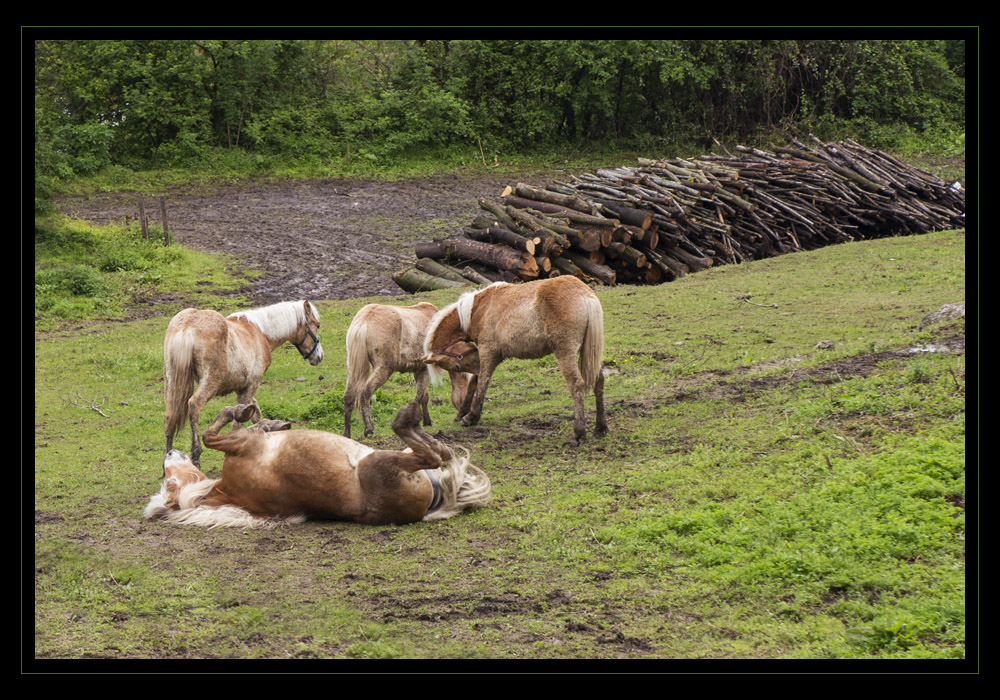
{"x": 318, "y": 239}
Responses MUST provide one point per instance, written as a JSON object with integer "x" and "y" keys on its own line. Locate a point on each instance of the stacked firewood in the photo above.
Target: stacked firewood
{"x": 662, "y": 219}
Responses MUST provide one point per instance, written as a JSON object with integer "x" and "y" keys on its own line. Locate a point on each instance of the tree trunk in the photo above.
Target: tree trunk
{"x": 413, "y": 281}
{"x": 496, "y": 256}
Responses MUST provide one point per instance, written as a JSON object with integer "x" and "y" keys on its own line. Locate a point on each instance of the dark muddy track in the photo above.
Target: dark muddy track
{"x": 316, "y": 239}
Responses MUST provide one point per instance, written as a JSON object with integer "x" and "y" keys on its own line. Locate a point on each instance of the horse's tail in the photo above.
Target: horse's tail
{"x": 592, "y": 352}
{"x": 357, "y": 359}
{"x": 463, "y": 485}
{"x": 178, "y": 377}
{"x": 190, "y": 511}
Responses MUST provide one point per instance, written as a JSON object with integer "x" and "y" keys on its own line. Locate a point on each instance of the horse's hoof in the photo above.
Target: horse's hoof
{"x": 243, "y": 413}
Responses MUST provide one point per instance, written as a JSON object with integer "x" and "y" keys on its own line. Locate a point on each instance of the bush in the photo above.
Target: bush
{"x": 76, "y": 280}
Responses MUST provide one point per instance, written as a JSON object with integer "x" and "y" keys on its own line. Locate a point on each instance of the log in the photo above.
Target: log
{"x": 628, "y": 255}
{"x": 497, "y": 234}
{"x": 413, "y": 281}
{"x": 475, "y": 276}
{"x": 628, "y": 215}
{"x": 542, "y": 195}
{"x": 597, "y": 271}
{"x": 532, "y": 223}
{"x": 695, "y": 262}
{"x": 438, "y": 269}
{"x": 567, "y": 267}
{"x": 495, "y": 256}
{"x": 571, "y": 214}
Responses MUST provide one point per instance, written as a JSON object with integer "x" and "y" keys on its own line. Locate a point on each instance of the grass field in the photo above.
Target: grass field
{"x": 784, "y": 478}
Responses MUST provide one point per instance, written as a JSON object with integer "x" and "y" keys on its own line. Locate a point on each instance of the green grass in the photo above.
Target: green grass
{"x": 757, "y": 497}
{"x": 84, "y": 271}
{"x": 234, "y": 166}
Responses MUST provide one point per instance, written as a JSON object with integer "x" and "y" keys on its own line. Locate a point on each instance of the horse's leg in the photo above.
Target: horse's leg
{"x": 197, "y": 402}
{"x": 349, "y": 396}
{"x": 232, "y": 441}
{"x": 406, "y": 425}
{"x": 423, "y": 377}
{"x": 230, "y": 414}
{"x": 246, "y": 397}
{"x": 602, "y": 421}
{"x": 379, "y": 376}
{"x": 487, "y": 363}
{"x": 568, "y": 364}
{"x": 470, "y": 394}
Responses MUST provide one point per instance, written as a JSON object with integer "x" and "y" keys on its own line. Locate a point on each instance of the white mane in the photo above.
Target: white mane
{"x": 189, "y": 510}
{"x": 278, "y": 320}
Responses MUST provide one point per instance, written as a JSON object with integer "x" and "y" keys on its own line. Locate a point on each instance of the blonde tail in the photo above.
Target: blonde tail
{"x": 592, "y": 352}
{"x": 357, "y": 360}
{"x": 178, "y": 377}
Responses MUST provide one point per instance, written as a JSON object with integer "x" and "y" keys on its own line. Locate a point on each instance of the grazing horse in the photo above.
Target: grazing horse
{"x": 228, "y": 354}
{"x": 270, "y": 477}
{"x": 560, "y": 316}
{"x": 391, "y": 339}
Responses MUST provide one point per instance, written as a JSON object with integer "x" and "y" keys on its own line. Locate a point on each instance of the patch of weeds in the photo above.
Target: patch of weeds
{"x": 278, "y": 408}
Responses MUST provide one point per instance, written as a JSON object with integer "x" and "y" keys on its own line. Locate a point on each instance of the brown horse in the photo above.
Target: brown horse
{"x": 560, "y": 316}
{"x": 228, "y": 354}
{"x": 270, "y": 477}
{"x": 391, "y": 339}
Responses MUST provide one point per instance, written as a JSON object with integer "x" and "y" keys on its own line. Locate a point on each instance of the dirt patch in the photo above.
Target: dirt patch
{"x": 315, "y": 239}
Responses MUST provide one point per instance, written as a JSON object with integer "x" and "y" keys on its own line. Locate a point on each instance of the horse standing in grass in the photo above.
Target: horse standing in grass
{"x": 391, "y": 339}
{"x": 228, "y": 354}
{"x": 272, "y": 475}
{"x": 560, "y": 316}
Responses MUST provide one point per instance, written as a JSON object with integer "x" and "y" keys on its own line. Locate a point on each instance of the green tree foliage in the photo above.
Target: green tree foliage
{"x": 152, "y": 102}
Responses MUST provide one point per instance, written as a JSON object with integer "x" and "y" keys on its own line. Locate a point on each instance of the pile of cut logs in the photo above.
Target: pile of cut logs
{"x": 662, "y": 219}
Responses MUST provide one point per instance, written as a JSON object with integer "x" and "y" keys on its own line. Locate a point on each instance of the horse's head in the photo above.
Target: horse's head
{"x": 460, "y": 382}
{"x": 309, "y": 347}
{"x": 457, "y": 356}
{"x": 178, "y": 472}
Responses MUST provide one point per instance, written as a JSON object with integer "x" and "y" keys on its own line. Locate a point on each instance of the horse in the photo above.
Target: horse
{"x": 272, "y": 476}
{"x": 226, "y": 354}
{"x": 559, "y": 315}
{"x": 391, "y": 339}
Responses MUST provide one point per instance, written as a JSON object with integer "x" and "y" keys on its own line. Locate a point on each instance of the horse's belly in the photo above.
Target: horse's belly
{"x": 308, "y": 472}
{"x": 526, "y": 348}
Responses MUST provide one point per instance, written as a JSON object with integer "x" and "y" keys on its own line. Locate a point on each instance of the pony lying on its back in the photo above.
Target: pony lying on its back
{"x": 272, "y": 475}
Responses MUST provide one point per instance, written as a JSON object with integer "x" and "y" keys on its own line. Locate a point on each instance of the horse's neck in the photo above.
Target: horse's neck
{"x": 274, "y": 333}
{"x": 448, "y": 330}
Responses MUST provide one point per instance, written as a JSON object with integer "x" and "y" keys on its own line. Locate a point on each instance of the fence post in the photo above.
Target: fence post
{"x": 166, "y": 230}
{"x": 142, "y": 220}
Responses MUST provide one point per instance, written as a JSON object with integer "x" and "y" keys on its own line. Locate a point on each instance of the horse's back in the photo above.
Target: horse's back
{"x": 397, "y": 330}
{"x": 531, "y": 320}
{"x": 202, "y": 321}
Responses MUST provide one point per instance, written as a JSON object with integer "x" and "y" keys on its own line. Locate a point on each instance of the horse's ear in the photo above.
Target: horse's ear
{"x": 430, "y": 359}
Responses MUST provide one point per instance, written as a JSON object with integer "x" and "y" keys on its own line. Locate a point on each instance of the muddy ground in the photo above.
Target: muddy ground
{"x": 317, "y": 239}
